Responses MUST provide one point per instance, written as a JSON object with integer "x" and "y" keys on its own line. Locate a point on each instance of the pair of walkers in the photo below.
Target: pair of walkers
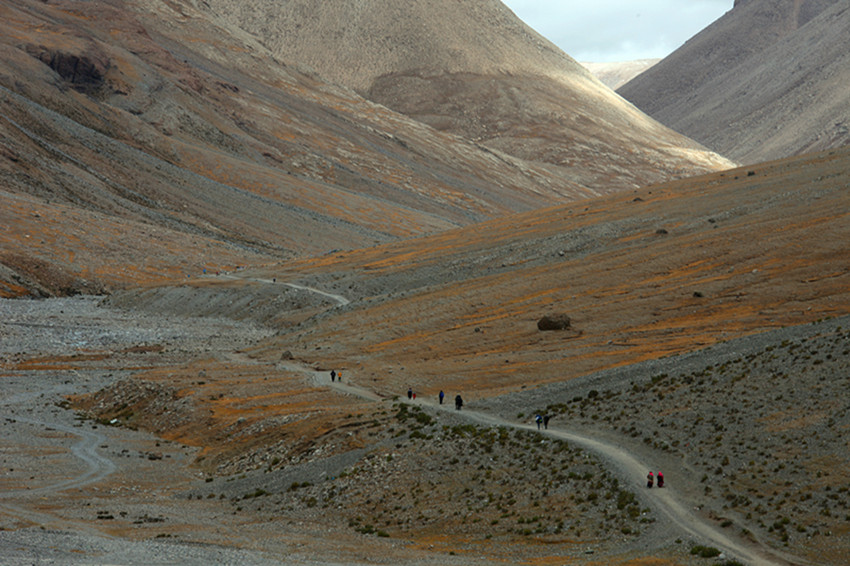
{"x": 650, "y": 479}
{"x": 458, "y": 399}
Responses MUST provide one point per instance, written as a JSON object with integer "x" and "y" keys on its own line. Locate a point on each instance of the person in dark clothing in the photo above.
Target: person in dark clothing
{"x": 409, "y": 393}
{"x": 442, "y": 396}
{"x": 539, "y": 420}
{"x": 650, "y": 480}
{"x": 546, "y": 422}
{"x": 660, "y": 477}
{"x": 333, "y": 375}
{"x": 458, "y": 402}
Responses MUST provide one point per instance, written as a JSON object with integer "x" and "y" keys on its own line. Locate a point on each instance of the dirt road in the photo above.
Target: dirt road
{"x": 667, "y": 501}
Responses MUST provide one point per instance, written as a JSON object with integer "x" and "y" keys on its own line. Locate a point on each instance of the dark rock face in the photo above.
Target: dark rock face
{"x": 557, "y": 321}
{"x": 84, "y": 72}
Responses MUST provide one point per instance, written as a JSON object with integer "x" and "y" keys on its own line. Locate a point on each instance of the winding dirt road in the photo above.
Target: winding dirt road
{"x": 666, "y": 501}
{"x": 85, "y": 449}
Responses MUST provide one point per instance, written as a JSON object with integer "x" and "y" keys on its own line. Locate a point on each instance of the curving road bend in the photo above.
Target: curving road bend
{"x": 98, "y": 467}
{"x": 338, "y": 299}
{"x": 85, "y": 449}
{"x": 664, "y": 501}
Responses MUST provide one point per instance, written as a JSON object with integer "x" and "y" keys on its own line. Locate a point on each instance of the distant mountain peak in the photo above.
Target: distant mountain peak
{"x": 475, "y": 70}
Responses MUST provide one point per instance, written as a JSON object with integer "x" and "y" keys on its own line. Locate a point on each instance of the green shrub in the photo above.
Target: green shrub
{"x": 705, "y": 551}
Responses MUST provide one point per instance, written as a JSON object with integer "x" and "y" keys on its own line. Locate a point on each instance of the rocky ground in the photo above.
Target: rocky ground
{"x": 77, "y": 489}
{"x": 420, "y": 483}
{"x": 753, "y": 427}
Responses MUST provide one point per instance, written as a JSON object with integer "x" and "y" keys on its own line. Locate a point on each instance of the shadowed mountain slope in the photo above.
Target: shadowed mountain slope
{"x": 474, "y": 69}
{"x": 132, "y": 127}
{"x": 767, "y": 80}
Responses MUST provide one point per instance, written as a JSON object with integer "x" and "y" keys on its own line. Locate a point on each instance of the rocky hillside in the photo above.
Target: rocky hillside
{"x": 148, "y": 140}
{"x": 705, "y": 337}
{"x": 475, "y": 70}
{"x": 189, "y": 145}
{"x": 764, "y": 81}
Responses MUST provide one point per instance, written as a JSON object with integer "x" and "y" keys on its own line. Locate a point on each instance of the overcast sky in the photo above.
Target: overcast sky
{"x": 618, "y": 30}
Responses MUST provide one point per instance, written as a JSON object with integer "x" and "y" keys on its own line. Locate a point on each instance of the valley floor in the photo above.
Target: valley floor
{"x": 75, "y": 491}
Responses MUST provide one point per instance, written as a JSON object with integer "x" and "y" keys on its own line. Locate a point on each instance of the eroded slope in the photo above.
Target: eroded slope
{"x": 188, "y": 132}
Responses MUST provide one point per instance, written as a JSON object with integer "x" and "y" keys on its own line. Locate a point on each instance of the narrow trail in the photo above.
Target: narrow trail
{"x": 338, "y": 299}
{"x": 97, "y": 467}
{"x": 665, "y": 501}
{"x": 85, "y": 449}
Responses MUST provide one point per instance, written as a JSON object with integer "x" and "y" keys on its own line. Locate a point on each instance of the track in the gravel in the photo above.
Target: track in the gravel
{"x": 663, "y": 501}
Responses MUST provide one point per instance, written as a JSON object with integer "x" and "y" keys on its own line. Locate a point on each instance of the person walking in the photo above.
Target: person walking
{"x": 458, "y": 402}
{"x": 333, "y": 375}
{"x": 442, "y": 395}
{"x": 546, "y": 422}
{"x": 660, "y": 477}
{"x": 410, "y": 393}
{"x": 650, "y": 480}
{"x": 539, "y": 420}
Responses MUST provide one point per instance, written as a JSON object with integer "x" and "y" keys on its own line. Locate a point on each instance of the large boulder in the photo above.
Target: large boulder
{"x": 558, "y": 321}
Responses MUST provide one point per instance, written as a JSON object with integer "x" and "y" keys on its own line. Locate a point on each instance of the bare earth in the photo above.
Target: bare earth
{"x": 77, "y": 490}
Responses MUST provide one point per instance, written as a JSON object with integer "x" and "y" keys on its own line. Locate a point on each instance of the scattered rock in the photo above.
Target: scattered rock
{"x": 558, "y": 321}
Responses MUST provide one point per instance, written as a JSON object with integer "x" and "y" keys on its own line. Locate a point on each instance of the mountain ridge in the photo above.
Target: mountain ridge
{"x": 477, "y": 71}
{"x": 761, "y": 83}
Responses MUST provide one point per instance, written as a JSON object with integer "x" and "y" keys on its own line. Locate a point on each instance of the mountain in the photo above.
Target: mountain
{"x": 616, "y": 74}
{"x": 766, "y": 80}
{"x": 150, "y": 140}
{"x": 188, "y": 145}
{"x": 256, "y": 225}
{"x": 475, "y": 70}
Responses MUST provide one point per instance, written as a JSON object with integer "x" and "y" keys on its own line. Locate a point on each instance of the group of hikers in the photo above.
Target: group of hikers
{"x": 651, "y": 479}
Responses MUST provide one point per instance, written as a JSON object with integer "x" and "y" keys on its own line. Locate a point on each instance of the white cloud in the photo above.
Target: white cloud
{"x": 618, "y": 30}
